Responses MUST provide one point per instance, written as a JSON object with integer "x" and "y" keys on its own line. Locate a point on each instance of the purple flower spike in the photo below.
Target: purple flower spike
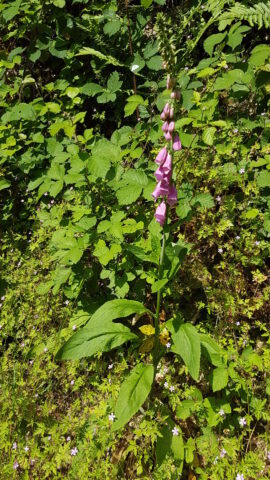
{"x": 168, "y": 136}
{"x": 161, "y": 156}
{"x": 172, "y": 196}
{"x": 163, "y": 116}
{"x": 161, "y": 175}
{"x": 166, "y": 109}
{"x": 171, "y": 127}
{"x": 177, "y": 143}
{"x": 160, "y": 214}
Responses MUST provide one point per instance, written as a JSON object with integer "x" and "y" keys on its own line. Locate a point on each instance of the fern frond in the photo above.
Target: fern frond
{"x": 258, "y": 15}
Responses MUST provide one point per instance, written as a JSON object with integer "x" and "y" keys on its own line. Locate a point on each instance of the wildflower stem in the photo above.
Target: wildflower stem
{"x": 157, "y": 329}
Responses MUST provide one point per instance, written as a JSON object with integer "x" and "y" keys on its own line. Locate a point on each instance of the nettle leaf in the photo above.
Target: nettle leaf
{"x": 106, "y": 254}
{"x": 208, "y": 135}
{"x": 205, "y": 200}
{"x": 114, "y": 84}
{"x": 87, "y": 342}
{"x": 219, "y": 378}
{"x": 132, "y": 103}
{"x": 133, "y": 393}
{"x": 106, "y": 97}
{"x": 90, "y": 89}
{"x": 263, "y": 179}
{"x": 104, "y": 153}
{"x": 131, "y": 186}
{"x": 186, "y": 343}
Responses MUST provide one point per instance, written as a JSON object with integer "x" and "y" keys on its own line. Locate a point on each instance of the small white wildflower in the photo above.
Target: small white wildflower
{"x": 45, "y": 350}
{"x": 68, "y": 438}
{"x": 242, "y": 170}
{"x": 165, "y": 369}
{"x": 221, "y": 412}
{"x": 175, "y": 431}
{"x": 72, "y": 382}
{"x": 112, "y": 417}
{"x": 3, "y": 297}
{"x": 26, "y": 448}
{"x": 257, "y": 243}
{"x": 186, "y": 68}
{"x": 220, "y": 250}
{"x": 135, "y": 67}
{"x": 235, "y": 130}
{"x": 110, "y": 366}
{"x": 240, "y": 476}
{"x": 218, "y": 198}
{"x": 74, "y": 451}
{"x": 238, "y": 323}
{"x": 166, "y": 385}
{"x": 36, "y": 395}
{"x": 172, "y": 388}
{"x": 242, "y": 421}
{"x": 223, "y": 453}
{"x": 22, "y": 344}
{"x": 263, "y": 114}
{"x": 14, "y": 446}
{"x": 237, "y": 237}
{"x": 15, "y": 465}
{"x": 66, "y": 302}
{"x": 74, "y": 327}
{"x": 49, "y": 437}
{"x": 168, "y": 345}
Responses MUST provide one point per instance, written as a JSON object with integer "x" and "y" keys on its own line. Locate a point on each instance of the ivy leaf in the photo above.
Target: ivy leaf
{"x": 133, "y": 393}
{"x": 186, "y": 343}
{"x": 87, "y": 342}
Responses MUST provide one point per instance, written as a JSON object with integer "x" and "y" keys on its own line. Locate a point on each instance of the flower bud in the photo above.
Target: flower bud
{"x": 171, "y": 127}
{"x": 161, "y": 156}
{"x": 176, "y": 95}
{"x": 165, "y": 127}
{"x": 160, "y": 214}
{"x": 170, "y": 82}
{"x": 171, "y": 114}
{"x": 176, "y": 143}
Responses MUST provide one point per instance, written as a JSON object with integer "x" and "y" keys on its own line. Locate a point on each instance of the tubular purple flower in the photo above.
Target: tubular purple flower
{"x": 161, "y": 190}
{"x": 160, "y": 214}
{"x": 166, "y": 109}
{"x": 165, "y": 127}
{"x": 168, "y": 136}
{"x": 161, "y": 156}
{"x": 171, "y": 127}
{"x": 177, "y": 143}
{"x": 171, "y": 114}
{"x": 167, "y": 165}
{"x": 172, "y": 195}
{"x": 175, "y": 95}
{"x": 162, "y": 175}
{"x": 163, "y": 116}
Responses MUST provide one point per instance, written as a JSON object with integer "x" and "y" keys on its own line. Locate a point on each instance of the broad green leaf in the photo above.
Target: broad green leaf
{"x": 252, "y": 213}
{"x": 102, "y": 338}
{"x": 263, "y": 179}
{"x": 132, "y": 103}
{"x": 186, "y": 343}
{"x": 91, "y": 89}
{"x": 212, "y": 350}
{"x": 112, "y": 27}
{"x": 259, "y": 55}
{"x": 208, "y": 135}
{"x": 212, "y": 41}
{"x": 114, "y": 84}
{"x": 155, "y": 63}
{"x": 4, "y": 183}
{"x": 219, "y": 378}
{"x": 235, "y": 35}
{"x": 128, "y": 194}
{"x": 159, "y": 285}
{"x": 133, "y": 393}
{"x": 104, "y": 253}
{"x": 205, "y": 200}
{"x": 114, "y": 309}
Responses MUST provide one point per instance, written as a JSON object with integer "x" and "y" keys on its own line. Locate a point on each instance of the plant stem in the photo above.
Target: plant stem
{"x": 157, "y": 329}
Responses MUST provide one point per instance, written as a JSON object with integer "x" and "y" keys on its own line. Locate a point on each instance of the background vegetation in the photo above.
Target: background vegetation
{"x": 81, "y": 91}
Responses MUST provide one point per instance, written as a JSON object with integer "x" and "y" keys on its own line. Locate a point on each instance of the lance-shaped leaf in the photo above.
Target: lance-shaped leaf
{"x": 133, "y": 393}
{"x": 186, "y": 343}
{"x": 87, "y": 342}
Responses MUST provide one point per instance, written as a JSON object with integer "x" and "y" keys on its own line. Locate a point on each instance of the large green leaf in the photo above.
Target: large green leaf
{"x": 186, "y": 343}
{"x": 212, "y": 41}
{"x": 133, "y": 393}
{"x": 113, "y": 309}
{"x": 219, "y": 378}
{"x": 102, "y": 338}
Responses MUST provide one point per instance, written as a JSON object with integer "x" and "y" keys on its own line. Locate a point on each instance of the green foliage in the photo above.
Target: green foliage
{"x": 82, "y": 86}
